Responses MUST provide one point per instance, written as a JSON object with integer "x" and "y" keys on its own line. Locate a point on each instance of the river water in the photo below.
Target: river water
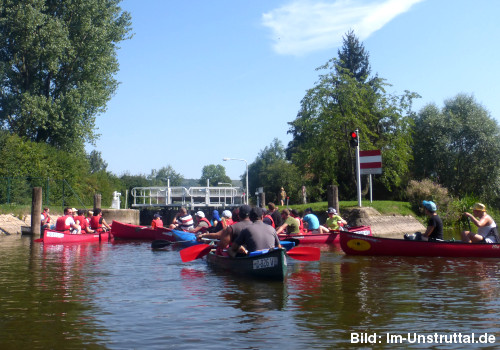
{"x": 126, "y": 296}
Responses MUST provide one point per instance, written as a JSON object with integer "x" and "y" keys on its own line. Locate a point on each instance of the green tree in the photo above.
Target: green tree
{"x": 57, "y": 66}
{"x": 216, "y": 174}
{"x": 96, "y": 162}
{"x": 459, "y": 148}
{"x": 354, "y": 58}
{"x": 161, "y": 177}
{"x": 271, "y": 170}
{"x": 337, "y": 105}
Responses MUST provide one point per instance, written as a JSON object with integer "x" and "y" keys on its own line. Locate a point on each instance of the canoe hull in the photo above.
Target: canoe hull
{"x": 271, "y": 265}
{"x": 325, "y": 238}
{"x": 56, "y": 237}
{"x": 354, "y": 244}
{"x": 121, "y": 230}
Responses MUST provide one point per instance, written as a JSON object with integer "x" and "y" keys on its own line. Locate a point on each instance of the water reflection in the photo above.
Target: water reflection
{"x": 43, "y": 296}
{"x": 126, "y": 296}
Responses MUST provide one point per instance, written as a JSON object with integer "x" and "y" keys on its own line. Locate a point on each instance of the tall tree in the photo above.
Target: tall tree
{"x": 96, "y": 162}
{"x": 339, "y": 103}
{"x": 57, "y": 67}
{"x": 216, "y": 174}
{"x": 271, "y": 170}
{"x": 354, "y": 57}
{"x": 459, "y": 147}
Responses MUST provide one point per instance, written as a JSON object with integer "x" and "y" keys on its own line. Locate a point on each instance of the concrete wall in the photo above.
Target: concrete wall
{"x": 127, "y": 216}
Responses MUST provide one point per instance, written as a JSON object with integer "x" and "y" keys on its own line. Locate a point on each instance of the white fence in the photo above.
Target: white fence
{"x": 187, "y": 197}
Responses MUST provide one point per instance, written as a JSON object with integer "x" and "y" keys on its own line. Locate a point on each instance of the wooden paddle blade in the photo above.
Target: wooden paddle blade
{"x": 195, "y": 252}
{"x": 160, "y": 243}
{"x": 304, "y": 253}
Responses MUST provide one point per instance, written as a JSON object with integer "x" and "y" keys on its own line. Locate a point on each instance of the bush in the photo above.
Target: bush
{"x": 418, "y": 191}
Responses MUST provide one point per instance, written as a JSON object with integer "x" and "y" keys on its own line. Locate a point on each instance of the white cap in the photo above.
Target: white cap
{"x": 227, "y": 214}
{"x": 200, "y": 214}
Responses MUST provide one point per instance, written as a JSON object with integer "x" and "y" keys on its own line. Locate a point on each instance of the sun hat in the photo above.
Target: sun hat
{"x": 227, "y": 214}
{"x": 200, "y": 214}
{"x": 479, "y": 207}
{"x": 332, "y": 211}
{"x": 429, "y": 205}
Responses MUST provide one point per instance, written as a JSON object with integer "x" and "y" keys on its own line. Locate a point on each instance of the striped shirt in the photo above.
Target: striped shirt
{"x": 185, "y": 222}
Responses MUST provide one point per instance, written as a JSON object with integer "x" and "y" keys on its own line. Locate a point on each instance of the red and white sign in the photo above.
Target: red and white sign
{"x": 370, "y": 162}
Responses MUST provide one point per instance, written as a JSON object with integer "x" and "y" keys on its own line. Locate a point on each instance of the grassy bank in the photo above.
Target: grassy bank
{"x": 383, "y": 207}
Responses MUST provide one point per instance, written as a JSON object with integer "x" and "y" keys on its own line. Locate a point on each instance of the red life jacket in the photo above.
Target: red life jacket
{"x": 45, "y": 216}
{"x": 61, "y": 224}
{"x": 96, "y": 223}
{"x": 156, "y": 223}
{"x": 206, "y": 220}
{"x": 270, "y": 218}
{"x": 83, "y": 222}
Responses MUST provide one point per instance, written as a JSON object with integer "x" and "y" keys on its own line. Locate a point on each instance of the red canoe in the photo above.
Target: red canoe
{"x": 121, "y": 230}
{"x": 57, "y": 237}
{"x": 354, "y": 244}
{"x": 324, "y": 238}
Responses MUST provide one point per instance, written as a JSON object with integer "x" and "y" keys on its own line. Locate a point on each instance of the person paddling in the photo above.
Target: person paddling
{"x": 434, "y": 229}
{"x": 486, "y": 227}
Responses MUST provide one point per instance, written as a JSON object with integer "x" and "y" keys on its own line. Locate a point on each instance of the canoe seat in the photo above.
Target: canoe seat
{"x": 258, "y": 252}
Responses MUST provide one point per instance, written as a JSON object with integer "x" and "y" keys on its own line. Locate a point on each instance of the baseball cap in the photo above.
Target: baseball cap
{"x": 244, "y": 211}
{"x": 255, "y": 213}
{"x": 332, "y": 211}
{"x": 227, "y": 214}
{"x": 200, "y": 214}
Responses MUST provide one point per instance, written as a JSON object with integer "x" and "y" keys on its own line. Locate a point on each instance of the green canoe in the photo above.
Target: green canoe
{"x": 270, "y": 264}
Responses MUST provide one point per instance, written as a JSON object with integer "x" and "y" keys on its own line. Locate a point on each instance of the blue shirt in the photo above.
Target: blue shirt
{"x": 312, "y": 221}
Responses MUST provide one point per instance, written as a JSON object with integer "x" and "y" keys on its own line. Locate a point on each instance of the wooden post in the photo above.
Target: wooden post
{"x": 333, "y": 197}
{"x": 36, "y": 210}
{"x": 97, "y": 201}
{"x": 262, "y": 199}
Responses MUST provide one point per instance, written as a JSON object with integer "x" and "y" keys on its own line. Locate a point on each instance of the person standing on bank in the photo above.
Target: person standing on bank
{"x": 282, "y": 196}
{"x": 486, "y": 226}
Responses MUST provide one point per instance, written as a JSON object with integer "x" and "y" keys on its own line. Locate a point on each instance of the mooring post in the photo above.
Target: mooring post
{"x": 332, "y": 195}
{"x": 97, "y": 201}
{"x": 36, "y": 211}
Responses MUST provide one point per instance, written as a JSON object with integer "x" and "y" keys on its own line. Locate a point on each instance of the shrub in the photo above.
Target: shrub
{"x": 418, "y": 191}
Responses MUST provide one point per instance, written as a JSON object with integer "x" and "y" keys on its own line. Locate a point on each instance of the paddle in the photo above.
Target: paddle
{"x": 304, "y": 253}
{"x": 195, "y": 252}
{"x": 161, "y": 243}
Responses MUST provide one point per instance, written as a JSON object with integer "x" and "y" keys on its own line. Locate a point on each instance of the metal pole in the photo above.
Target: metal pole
{"x": 371, "y": 199}
{"x": 247, "y": 179}
{"x": 246, "y": 163}
{"x": 358, "y": 171}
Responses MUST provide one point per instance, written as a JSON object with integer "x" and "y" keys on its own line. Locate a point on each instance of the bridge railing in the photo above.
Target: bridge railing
{"x": 164, "y": 196}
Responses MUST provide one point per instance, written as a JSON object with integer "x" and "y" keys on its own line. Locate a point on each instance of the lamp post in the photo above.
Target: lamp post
{"x": 246, "y": 163}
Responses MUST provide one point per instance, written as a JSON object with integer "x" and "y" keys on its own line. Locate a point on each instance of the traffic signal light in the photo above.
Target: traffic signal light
{"x": 354, "y": 139}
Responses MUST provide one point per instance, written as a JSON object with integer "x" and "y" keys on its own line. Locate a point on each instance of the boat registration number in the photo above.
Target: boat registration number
{"x": 366, "y": 233}
{"x": 54, "y": 234}
{"x": 265, "y": 263}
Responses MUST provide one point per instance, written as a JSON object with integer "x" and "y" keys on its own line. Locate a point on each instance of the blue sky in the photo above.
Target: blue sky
{"x": 203, "y": 80}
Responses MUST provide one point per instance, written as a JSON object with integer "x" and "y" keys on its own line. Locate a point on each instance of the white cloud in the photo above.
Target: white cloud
{"x": 303, "y": 26}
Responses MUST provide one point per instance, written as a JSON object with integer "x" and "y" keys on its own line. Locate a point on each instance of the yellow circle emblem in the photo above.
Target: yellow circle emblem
{"x": 358, "y": 244}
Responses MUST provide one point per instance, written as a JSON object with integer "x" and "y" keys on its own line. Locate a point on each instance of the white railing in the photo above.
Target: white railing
{"x": 164, "y": 196}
